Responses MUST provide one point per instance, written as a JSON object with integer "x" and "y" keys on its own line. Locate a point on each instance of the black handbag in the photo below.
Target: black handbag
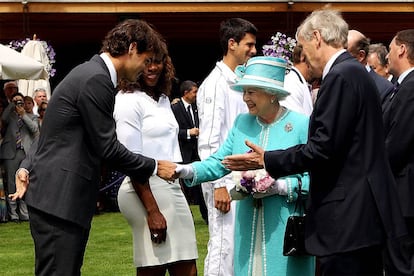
{"x": 294, "y": 241}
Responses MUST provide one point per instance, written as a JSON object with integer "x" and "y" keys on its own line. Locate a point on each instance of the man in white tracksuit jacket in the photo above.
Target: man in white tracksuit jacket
{"x": 218, "y": 106}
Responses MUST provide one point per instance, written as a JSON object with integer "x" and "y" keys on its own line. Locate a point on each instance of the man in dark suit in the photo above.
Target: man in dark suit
{"x": 352, "y": 208}
{"x": 398, "y": 114}
{"x": 185, "y": 112}
{"x": 77, "y": 137}
{"x": 358, "y": 47}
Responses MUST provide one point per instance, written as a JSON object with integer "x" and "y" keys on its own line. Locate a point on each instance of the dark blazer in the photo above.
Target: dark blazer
{"x": 384, "y": 86}
{"x": 352, "y": 201}
{"x": 399, "y": 141}
{"x": 78, "y": 135}
{"x": 188, "y": 147}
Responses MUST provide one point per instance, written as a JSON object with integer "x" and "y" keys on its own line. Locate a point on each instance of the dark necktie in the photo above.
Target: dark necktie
{"x": 395, "y": 90}
{"x": 18, "y": 133}
{"x": 190, "y": 115}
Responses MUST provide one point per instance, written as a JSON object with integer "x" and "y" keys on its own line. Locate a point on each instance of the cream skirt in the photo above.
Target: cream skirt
{"x": 181, "y": 242}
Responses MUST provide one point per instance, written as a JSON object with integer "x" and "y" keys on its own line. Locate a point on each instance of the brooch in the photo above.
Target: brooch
{"x": 288, "y": 127}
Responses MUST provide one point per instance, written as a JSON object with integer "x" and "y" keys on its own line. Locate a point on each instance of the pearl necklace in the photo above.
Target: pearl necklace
{"x": 264, "y": 134}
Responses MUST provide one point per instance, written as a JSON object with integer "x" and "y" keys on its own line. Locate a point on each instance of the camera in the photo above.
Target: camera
{"x": 19, "y": 103}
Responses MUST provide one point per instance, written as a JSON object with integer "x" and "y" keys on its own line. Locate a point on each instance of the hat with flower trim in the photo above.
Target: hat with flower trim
{"x": 265, "y": 72}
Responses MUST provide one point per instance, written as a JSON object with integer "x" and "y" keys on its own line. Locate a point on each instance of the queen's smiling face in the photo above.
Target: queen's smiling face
{"x": 259, "y": 102}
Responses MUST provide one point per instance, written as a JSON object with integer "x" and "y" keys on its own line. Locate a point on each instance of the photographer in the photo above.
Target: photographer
{"x": 20, "y": 130}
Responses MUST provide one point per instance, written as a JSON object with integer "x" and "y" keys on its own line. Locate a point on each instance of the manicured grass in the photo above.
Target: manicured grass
{"x": 109, "y": 249}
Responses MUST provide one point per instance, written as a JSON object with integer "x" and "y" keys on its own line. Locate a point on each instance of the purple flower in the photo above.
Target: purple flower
{"x": 280, "y": 46}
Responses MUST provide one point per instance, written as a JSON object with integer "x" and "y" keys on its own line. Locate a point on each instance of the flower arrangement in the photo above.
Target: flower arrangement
{"x": 50, "y": 52}
{"x": 255, "y": 181}
{"x": 280, "y": 46}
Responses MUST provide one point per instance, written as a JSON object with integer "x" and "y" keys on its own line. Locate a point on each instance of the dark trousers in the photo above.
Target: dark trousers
{"x": 363, "y": 262}
{"x": 59, "y": 244}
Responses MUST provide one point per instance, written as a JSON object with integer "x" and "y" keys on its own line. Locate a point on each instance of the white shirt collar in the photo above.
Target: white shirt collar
{"x": 226, "y": 72}
{"x": 330, "y": 62}
{"x": 186, "y": 104}
{"x": 111, "y": 68}
{"x": 403, "y": 75}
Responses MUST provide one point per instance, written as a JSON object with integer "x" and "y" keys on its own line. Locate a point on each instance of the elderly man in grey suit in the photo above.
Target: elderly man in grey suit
{"x": 21, "y": 129}
{"x": 77, "y": 138}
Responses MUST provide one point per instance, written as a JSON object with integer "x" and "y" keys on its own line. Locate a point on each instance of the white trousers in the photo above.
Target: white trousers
{"x": 220, "y": 247}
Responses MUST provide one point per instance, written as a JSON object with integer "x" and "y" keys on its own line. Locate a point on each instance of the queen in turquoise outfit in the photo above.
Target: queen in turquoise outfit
{"x": 261, "y": 216}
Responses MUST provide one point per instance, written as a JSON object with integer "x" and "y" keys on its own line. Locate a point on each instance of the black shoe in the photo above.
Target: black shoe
{"x": 15, "y": 220}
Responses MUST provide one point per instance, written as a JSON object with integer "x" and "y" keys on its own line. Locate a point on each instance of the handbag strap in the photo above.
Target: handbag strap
{"x": 300, "y": 201}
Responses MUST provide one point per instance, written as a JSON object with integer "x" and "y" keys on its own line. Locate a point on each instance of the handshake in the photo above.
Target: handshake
{"x": 171, "y": 171}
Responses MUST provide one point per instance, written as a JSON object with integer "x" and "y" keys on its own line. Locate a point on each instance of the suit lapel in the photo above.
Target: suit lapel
{"x": 185, "y": 113}
{"x": 388, "y": 103}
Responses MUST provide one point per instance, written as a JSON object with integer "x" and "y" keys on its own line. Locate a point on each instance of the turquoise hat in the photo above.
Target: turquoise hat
{"x": 265, "y": 72}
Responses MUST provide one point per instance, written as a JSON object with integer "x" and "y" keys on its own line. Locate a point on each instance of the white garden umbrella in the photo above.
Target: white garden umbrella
{"x": 34, "y": 49}
{"x": 14, "y": 65}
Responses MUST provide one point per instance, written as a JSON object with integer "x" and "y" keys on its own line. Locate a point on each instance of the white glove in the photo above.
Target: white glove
{"x": 279, "y": 188}
{"x": 184, "y": 171}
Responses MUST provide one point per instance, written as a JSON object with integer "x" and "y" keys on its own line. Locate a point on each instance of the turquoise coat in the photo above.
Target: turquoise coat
{"x": 270, "y": 219}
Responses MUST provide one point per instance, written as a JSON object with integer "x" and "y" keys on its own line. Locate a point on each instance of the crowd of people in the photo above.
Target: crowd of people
{"x": 243, "y": 142}
{"x": 20, "y": 126}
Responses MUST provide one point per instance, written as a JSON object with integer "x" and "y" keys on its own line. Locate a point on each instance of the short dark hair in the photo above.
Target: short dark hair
{"x": 28, "y": 98}
{"x": 18, "y": 94}
{"x": 297, "y": 53}
{"x": 406, "y": 37}
{"x": 186, "y": 86}
{"x": 235, "y": 28}
{"x": 118, "y": 40}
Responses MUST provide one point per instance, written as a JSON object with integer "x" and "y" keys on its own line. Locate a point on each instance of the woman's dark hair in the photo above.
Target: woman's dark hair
{"x": 164, "y": 84}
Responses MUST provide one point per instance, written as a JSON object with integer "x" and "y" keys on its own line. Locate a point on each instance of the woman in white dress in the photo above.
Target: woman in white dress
{"x": 146, "y": 125}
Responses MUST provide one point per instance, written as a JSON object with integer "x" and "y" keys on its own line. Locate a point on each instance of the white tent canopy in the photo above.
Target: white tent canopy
{"x": 14, "y": 66}
{"x": 34, "y": 49}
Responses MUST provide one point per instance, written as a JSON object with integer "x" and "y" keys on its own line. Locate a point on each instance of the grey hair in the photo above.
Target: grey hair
{"x": 381, "y": 51}
{"x": 40, "y": 89}
{"x": 330, "y": 24}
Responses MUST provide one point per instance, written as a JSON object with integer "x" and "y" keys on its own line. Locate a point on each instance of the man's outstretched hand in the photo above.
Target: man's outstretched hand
{"x": 252, "y": 160}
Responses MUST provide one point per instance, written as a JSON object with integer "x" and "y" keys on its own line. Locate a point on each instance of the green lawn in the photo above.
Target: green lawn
{"x": 109, "y": 250}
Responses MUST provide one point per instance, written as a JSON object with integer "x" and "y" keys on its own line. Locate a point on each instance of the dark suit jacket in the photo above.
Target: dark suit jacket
{"x": 352, "y": 202}
{"x": 399, "y": 141}
{"x": 384, "y": 86}
{"x": 78, "y": 135}
{"x": 188, "y": 147}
